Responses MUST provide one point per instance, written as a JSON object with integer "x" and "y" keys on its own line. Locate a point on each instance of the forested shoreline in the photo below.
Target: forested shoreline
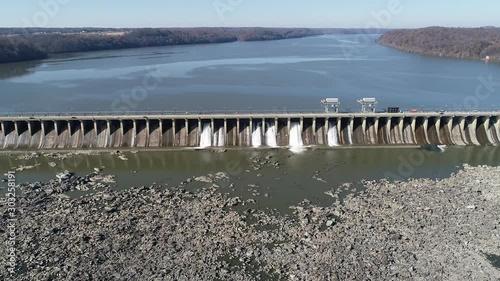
{"x": 461, "y": 43}
{"x": 18, "y": 44}
{"x": 27, "y": 44}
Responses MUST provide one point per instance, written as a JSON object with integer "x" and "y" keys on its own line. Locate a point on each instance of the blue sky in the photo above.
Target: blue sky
{"x": 287, "y": 13}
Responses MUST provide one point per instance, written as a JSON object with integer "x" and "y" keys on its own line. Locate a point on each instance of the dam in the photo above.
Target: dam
{"x": 98, "y": 131}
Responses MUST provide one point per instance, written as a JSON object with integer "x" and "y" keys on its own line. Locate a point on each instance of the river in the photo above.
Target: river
{"x": 286, "y": 75}
{"x": 297, "y": 176}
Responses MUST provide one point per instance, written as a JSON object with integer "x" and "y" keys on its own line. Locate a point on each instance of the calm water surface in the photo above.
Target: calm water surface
{"x": 275, "y": 75}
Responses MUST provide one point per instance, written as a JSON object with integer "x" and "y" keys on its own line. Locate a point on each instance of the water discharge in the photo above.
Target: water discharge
{"x": 349, "y": 133}
{"x": 333, "y": 134}
{"x": 219, "y": 138}
{"x": 206, "y": 136}
{"x": 248, "y": 136}
{"x": 296, "y": 144}
{"x": 257, "y": 135}
{"x": 271, "y": 135}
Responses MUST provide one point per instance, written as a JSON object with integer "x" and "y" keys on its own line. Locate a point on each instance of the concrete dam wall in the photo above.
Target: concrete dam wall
{"x": 256, "y": 130}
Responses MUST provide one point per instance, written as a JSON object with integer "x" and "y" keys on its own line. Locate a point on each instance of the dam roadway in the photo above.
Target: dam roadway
{"x": 86, "y": 130}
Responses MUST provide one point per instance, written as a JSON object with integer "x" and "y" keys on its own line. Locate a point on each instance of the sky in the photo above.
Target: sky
{"x": 268, "y": 13}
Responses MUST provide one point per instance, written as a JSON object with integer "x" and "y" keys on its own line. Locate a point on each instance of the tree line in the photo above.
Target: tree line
{"x": 32, "y": 44}
{"x": 463, "y": 43}
{"x": 19, "y": 49}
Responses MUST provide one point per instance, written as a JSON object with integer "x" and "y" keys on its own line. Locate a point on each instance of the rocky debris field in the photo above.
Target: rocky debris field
{"x": 54, "y": 155}
{"x": 421, "y": 229}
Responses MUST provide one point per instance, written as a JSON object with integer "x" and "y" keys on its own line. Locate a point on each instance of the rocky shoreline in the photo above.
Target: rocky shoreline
{"x": 420, "y": 229}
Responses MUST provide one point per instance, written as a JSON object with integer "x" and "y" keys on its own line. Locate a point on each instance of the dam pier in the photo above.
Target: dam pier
{"x": 84, "y": 131}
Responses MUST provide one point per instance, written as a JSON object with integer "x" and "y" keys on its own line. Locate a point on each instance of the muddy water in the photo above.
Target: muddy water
{"x": 254, "y": 173}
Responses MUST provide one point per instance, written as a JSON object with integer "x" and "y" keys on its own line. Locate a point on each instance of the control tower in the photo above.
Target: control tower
{"x": 331, "y": 105}
{"x": 368, "y": 104}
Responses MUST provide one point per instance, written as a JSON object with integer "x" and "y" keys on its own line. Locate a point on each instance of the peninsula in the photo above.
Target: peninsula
{"x": 461, "y": 43}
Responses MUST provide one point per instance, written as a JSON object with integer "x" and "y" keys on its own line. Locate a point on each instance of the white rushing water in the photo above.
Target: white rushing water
{"x": 222, "y": 137}
{"x": 349, "y": 133}
{"x": 442, "y": 148}
{"x": 296, "y": 144}
{"x": 219, "y": 137}
{"x": 271, "y": 135}
{"x": 134, "y": 139}
{"x": 257, "y": 135}
{"x": 206, "y": 136}
{"x": 248, "y": 136}
{"x": 333, "y": 134}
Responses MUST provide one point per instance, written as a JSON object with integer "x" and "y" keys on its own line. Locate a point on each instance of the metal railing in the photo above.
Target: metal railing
{"x": 153, "y": 112}
{"x": 219, "y": 112}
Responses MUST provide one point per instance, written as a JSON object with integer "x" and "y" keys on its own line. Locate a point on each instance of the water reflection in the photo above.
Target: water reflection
{"x": 271, "y": 75}
{"x": 359, "y": 159}
{"x": 299, "y": 176}
{"x": 10, "y": 70}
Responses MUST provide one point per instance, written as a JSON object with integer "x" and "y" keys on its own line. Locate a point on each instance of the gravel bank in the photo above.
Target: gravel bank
{"x": 416, "y": 230}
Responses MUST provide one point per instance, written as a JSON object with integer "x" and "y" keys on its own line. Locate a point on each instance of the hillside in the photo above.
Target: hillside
{"x": 30, "y": 44}
{"x": 462, "y": 43}
{"x": 18, "y": 49}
